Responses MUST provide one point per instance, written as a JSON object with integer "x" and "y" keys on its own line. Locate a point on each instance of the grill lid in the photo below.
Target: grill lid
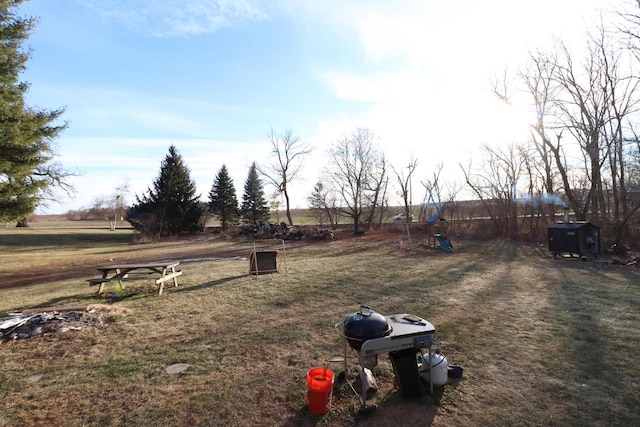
{"x": 364, "y": 325}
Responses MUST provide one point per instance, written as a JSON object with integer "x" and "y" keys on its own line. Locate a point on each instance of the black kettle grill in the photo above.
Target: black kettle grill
{"x": 364, "y": 325}
{"x": 401, "y": 336}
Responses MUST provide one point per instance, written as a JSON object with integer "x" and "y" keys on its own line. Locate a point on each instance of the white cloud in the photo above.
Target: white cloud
{"x": 401, "y": 30}
{"x": 169, "y": 18}
{"x": 357, "y": 87}
{"x": 425, "y": 71}
{"x": 165, "y": 121}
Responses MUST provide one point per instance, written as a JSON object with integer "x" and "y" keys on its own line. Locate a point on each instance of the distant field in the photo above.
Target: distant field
{"x": 61, "y": 221}
{"x": 300, "y": 217}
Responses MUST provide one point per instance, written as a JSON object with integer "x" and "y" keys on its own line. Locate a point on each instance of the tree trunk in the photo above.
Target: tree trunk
{"x": 286, "y": 199}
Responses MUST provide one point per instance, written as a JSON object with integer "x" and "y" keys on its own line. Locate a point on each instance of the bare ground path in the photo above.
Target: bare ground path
{"x": 63, "y": 268}
{"x": 196, "y": 247}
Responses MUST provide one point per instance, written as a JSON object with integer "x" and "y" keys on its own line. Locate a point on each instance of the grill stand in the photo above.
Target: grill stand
{"x": 409, "y": 332}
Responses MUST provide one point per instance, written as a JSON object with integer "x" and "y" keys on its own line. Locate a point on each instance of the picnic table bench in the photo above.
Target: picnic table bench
{"x": 119, "y": 273}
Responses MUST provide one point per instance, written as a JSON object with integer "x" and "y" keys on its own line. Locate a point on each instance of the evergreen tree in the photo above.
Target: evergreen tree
{"x": 254, "y": 206}
{"x": 222, "y": 198}
{"x": 26, "y": 134}
{"x": 172, "y": 206}
{"x": 317, "y": 202}
{"x": 322, "y": 203}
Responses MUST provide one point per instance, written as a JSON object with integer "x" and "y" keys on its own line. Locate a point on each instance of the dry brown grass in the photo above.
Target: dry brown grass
{"x": 543, "y": 341}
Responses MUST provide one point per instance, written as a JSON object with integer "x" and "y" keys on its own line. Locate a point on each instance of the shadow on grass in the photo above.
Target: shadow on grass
{"x": 63, "y": 238}
{"x": 419, "y": 411}
{"x": 69, "y": 300}
{"x": 126, "y": 294}
{"x": 207, "y": 284}
{"x": 84, "y": 300}
{"x": 588, "y": 337}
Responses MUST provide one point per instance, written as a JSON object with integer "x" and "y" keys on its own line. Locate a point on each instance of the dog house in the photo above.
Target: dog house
{"x": 580, "y": 238}
{"x": 264, "y": 257}
{"x": 262, "y": 262}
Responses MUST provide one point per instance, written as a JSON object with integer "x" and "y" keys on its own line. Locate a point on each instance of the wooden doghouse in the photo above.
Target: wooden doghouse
{"x": 580, "y": 238}
{"x": 264, "y": 260}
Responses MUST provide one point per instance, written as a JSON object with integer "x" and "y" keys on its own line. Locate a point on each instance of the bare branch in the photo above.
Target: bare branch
{"x": 287, "y": 161}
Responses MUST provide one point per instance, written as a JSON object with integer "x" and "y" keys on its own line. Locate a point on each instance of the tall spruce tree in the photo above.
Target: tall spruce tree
{"x": 254, "y": 206}
{"x": 172, "y": 206}
{"x": 27, "y": 174}
{"x": 222, "y": 199}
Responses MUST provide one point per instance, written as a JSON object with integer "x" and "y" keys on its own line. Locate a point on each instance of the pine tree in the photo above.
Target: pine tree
{"x": 222, "y": 198}
{"x": 26, "y": 134}
{"x": 317, "y": 202}
{"x": 172, "y": 206}
{"x": 322, "y": 203}
{"x": 254, "y": 206}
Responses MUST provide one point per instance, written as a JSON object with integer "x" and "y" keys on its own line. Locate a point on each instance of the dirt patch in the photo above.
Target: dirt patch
{"x": 198, "y": 246}
{"x": 184, "y": 248}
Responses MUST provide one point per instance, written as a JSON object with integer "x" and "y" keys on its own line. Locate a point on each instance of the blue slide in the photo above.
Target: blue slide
{"x": 444, "y": 243}
{"x": 433, "y": 218}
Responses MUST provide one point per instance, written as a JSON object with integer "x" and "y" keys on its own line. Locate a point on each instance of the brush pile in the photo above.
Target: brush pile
{"x": 49, "y": 321}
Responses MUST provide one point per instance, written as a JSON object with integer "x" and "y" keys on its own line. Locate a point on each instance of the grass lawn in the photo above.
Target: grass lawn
{"x": 542, "y": 341}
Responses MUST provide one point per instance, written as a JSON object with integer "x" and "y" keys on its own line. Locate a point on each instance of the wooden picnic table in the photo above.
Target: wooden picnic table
{"x": 119, "y": 273}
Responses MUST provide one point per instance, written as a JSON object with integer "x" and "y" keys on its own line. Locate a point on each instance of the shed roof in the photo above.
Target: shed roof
{"x": 572, "y": 225}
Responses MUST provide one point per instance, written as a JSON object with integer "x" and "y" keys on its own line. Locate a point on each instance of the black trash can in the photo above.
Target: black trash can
{"x": 405, "y": 367}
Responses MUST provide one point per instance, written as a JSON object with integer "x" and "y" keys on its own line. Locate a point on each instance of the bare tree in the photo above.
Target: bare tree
{"x": 585, "y": 145}
{"x": 119, "y": 203}
{"x": 540, "y": 85}
{"x": 404, "y": 181}
{"x": 495, "y": 185}
{"x": 324, "y": 203}
{"x": 433, "y": 195}
{"x": 377, "y": 190}
{"x": 587, "y": 102}
{"x": 583, "y": 106}
{"x": 604, "y": 98}
{"x": 111, "y": 207}
{"x": 288, "y": 159}
{"x": 629, "y": 26}
{"x": 354, "y": 173}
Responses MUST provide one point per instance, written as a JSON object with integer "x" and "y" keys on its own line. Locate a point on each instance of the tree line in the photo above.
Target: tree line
{"x": 172, "y": 206}
{"x": 582, "y": 153}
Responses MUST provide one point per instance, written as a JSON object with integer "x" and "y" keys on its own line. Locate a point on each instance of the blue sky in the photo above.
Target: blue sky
{"x": 213, "y": 77}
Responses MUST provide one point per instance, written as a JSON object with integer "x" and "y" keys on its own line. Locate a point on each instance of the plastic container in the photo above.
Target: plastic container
{"x": 440, "y": 368}
{"x": 319, "y": 390}
{"x": 455, "y": 372}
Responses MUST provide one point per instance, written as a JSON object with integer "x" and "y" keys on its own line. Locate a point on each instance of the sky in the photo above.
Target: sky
{"x": 214, "y": 77}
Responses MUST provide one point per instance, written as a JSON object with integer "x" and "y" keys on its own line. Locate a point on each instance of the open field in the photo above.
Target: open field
{"x": 542, "y": 341}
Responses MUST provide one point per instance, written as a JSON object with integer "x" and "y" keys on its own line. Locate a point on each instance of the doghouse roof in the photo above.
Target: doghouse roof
{"x": 572, "y": 225}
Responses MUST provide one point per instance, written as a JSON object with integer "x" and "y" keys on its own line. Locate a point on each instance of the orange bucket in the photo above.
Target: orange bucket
{"x": 319, "y": 388}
